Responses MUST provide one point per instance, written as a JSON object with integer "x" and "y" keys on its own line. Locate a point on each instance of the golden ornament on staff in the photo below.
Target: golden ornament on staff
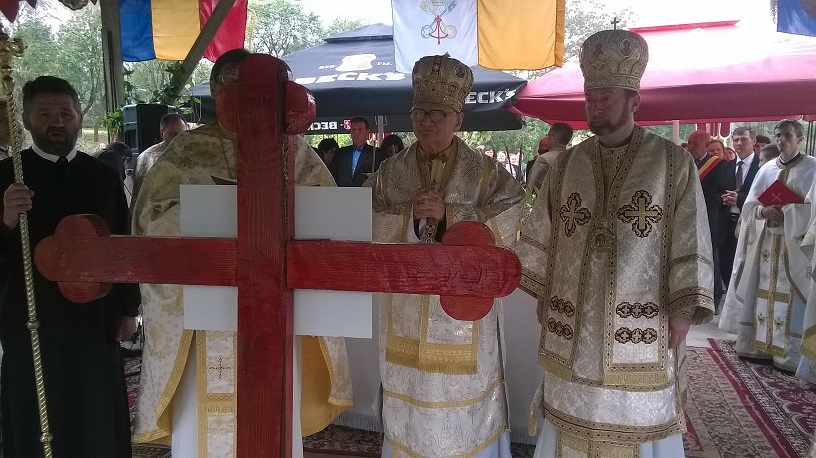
{"x": 10, "y": 48}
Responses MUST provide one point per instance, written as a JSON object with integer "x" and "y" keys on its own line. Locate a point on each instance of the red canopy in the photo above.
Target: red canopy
{"x": 710, "y": 72}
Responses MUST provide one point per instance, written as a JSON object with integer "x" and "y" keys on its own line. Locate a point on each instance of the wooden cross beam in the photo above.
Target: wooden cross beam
{"x": 266, "y": 263}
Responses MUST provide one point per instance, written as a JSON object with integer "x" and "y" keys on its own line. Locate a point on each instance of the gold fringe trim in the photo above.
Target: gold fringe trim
{"x": 437, "y": 358}
{"x": 443, "y": 404}
{"x": 431, "y": 357}
{"x": 636, "y": 379}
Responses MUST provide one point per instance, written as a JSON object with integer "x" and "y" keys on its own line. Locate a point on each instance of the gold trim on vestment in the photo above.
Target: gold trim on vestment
{"x": 425, "y": 356}
{"x": 324, "y": 350}
{"x": 690, "y": 257}
{"x": 597, "y": 449}
{"x": 808, "y": 347}
{"x": 612, "y": 433}
{"x": 532, "y": 284}
{"x": 636, "y": 374}
{"x": 163, "y": 423}
{"x": 201, "y": 391}
{"x": 771, "y": 297}
{"x": 444, "y": 404}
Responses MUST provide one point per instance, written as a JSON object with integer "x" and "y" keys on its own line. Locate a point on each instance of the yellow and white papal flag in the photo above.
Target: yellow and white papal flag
{"x": 496, "y": 34}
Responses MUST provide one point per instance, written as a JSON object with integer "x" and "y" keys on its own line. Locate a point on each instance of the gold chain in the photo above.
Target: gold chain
{"x": 9, "y": 49}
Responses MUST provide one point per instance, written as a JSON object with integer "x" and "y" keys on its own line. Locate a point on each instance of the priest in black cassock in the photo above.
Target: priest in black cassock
{"x": 83, "y": 375}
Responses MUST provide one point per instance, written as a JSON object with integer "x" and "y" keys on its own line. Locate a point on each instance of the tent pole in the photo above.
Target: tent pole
{"x": 676, "y": 131}
{"x": 380, "y": 120}
{"x": 113, "y": 68}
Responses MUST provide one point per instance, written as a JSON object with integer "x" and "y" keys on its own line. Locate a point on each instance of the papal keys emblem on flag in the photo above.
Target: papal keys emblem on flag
{"x": 491, "y": 33}
{"x": 438, "y": 29}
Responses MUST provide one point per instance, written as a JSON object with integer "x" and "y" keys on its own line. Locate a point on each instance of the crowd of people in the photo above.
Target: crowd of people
{"x": 631, "y": 240}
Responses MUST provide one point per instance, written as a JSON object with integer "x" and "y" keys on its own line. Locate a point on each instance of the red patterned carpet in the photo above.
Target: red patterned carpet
{"x": 737, "y": 408}
{"x": 746, "y": 408}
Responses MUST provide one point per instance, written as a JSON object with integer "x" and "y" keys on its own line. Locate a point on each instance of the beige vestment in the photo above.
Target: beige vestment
{"x": 443, "y": 381}
{"x": 193, "y": 158}
{"x": 616, "y": 243}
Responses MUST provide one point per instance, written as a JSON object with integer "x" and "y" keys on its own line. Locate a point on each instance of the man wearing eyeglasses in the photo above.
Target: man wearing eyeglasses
{"x": 171, "y": 352}
{"x": 440, "y": 374}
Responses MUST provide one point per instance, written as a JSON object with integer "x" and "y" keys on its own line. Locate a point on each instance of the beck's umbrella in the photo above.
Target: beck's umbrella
{"x": 353, "y": 74}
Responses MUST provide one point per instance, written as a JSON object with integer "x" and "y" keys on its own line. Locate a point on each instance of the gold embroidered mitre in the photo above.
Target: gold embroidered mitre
{"x": 614, "y": 58}
{"x": 443, "y": 80}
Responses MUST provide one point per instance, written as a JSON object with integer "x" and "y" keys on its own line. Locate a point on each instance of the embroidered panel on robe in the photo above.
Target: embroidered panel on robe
{"x": 616, "y": 243}
{"x": 193, "y": 158}
{"x": 770, "y": 283}
{"x": 443, "y": 383}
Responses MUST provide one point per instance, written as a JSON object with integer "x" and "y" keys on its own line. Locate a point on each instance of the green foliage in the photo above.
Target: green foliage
{"x": 166, "y": 89}
{"x": 79, "y": 54}
{"x": 113, "y": 122}
{"x": 585, "y": 17}
{"x": 72, "y": 52}
{"x": 281, "y": 27}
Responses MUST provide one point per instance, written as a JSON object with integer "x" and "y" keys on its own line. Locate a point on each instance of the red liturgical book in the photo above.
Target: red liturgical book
{"x": 779, "y": 194}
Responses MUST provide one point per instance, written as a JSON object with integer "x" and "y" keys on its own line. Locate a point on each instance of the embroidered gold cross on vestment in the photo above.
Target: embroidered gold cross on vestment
{"x": 641, "y": 213}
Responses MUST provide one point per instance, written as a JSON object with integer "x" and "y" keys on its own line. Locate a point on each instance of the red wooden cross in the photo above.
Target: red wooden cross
{"x": 266, "y": 263}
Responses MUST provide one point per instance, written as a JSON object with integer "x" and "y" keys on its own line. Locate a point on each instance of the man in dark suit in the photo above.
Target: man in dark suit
{"x": 714, "y": 179}
{"x": 740, "y": 173}
{"x": 351, "y": 164}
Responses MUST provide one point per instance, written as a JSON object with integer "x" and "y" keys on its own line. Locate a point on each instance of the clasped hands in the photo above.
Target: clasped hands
{"x": 730, "y": 198}
{"x": 429, "y": 203}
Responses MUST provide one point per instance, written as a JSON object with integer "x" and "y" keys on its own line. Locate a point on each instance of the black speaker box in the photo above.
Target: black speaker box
{"x": 141, "y": 124}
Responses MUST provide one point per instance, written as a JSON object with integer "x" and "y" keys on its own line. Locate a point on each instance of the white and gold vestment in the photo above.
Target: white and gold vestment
{"x": 770, "y": 282}
{"x": 193, "y": 158}
{"x": 617, "y": 242}
{"x": 443, "y": 382}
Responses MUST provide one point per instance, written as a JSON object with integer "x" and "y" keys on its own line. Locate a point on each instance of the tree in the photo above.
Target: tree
{"x": 79, "y": 54}
{"x": 72, "y": 52}
{"x": 585, "y": 17}
{"x": 40, "y": 56}
{"x": 281, "y": 27}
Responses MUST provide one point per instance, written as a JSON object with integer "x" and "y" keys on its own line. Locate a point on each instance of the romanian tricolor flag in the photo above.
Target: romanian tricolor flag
{"x": 167, "y": 29}
{"x": 496, "y": 34}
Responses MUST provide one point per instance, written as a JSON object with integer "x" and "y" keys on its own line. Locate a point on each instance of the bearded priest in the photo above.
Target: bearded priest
{"x": 617, "y": 251}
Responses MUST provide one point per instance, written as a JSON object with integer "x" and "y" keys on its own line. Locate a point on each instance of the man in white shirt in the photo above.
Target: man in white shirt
{"x": 743, "y": 169}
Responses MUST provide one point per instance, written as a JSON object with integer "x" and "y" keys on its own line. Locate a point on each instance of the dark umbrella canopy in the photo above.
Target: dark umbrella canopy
{"x": 353, "y": 74}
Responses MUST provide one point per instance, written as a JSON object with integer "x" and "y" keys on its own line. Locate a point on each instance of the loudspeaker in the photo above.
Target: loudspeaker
{"x": 141, "y": 124}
